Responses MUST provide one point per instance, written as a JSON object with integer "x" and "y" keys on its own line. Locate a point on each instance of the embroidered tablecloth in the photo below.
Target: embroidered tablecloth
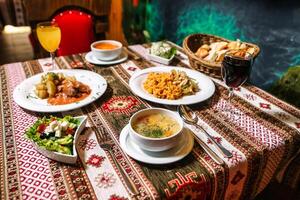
{"x": 262, "y": 133}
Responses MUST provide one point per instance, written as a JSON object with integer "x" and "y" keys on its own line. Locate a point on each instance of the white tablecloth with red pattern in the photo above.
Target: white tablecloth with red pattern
{"x": 262, "y": 133}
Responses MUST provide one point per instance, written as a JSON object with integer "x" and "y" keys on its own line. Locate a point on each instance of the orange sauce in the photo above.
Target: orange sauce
{"x": 62, "y": 101}
{"x": 105, "y": 46}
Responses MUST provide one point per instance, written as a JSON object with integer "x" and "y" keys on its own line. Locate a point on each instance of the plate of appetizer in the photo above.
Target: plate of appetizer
{"x": 59, "y": 90}
{"x": 56, "y": 137}
{"x": 172, "y": 85}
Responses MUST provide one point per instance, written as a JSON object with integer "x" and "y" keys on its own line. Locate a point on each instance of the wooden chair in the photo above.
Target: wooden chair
{"x": 106, "y": 14}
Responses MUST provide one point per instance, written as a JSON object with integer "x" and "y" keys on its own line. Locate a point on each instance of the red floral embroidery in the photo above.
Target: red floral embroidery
{"x": 195, "y": 191}
{"x": 208, "y": 158}
{"x": 76, "y": 64}
{"x": 236, "y": 157}
{"x": 297, "y": 124}
{"x": 188, "y": 186}
{"x": 265, "y": 105}
{"x": 95, "y": 160}
{"x": 87, "y": 144}
{"x": 105, "y": 180}
{"x": 48, "y": 64}
{"x": 217, "y": 139}
{"x": 131, "y": 68}
{"x": 120, "y": 104}
{"x": 116, "y": 197}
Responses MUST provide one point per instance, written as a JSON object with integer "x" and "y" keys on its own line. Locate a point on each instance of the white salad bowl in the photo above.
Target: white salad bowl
{"x": 107, "y": 54}
{"x": 60, "y": 157}
{"x": 160, "y": 59}
{"x": 155, "y": 144}
{"x": 161, "y": 48}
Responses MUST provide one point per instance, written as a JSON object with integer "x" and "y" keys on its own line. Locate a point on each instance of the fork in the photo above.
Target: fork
{"x": 106, "y": 144}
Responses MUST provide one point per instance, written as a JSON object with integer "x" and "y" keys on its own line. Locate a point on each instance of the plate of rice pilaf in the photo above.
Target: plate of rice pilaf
{"x": 172, "y": 85}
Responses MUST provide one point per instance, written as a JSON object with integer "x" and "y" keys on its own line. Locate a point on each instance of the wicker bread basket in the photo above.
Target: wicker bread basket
{"x": 191, "y": 44}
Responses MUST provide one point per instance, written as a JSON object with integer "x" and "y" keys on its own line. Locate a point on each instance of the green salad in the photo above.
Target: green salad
{"x": 54, "y": 133}
{"x": 162, "y": 49}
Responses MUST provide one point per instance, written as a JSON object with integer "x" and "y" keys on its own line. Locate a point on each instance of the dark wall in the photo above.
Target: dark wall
{"x": 273, "y": 25}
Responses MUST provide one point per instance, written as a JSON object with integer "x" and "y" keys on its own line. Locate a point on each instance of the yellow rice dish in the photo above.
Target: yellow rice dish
{"x": 170, "y": 85}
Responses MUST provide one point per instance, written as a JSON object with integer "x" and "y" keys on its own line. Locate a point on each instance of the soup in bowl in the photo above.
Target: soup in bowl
{"x": 155, "y": 129}
{"x": 106, "y": 49}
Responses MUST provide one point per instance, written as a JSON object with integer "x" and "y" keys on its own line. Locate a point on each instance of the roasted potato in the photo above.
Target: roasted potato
{"x": 51, "y": 88}
{"x": 43, "y": 94}
{"x": 40, "y": 86}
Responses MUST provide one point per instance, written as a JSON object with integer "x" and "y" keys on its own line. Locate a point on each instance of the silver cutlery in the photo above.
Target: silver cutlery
{"x": 190, "y": 117}
{"x": 210, "y": 152}
{"x": 107, "y": 145}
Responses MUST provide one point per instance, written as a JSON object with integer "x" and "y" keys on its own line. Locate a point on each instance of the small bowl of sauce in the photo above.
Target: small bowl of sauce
{"x": 106, "y": 49}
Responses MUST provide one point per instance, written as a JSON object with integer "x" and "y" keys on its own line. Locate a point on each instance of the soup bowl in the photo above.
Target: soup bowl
{"x": 106, "y": 49}
{"x": 155, "y": 144}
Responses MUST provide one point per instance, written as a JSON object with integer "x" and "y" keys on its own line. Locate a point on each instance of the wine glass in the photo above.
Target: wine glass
{"x": 49, "y": 36}
{"x": 236, "y": 68}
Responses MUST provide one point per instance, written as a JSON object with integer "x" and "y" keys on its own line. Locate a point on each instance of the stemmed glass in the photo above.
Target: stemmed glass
{"x": 49, "y": 36}
{"x": 236, "y": 68}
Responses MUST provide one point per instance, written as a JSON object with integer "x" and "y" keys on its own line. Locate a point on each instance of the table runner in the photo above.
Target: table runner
{"x": 263, "y": 137}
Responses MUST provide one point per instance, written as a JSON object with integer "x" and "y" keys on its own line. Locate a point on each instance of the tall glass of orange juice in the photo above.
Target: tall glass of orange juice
{"x": 49, "y": 36}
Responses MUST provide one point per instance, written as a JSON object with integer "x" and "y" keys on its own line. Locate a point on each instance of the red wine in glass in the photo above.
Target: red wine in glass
{"x": 236, "y": 69}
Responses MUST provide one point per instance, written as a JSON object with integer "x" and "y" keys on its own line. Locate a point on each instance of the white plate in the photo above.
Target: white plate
{"x": 25, "y": 96}
{"x": 183, "y": 148}
{"x": 206, "y": 85}
{"x": 60, "y": 157}
{"x": 91, "y": 59}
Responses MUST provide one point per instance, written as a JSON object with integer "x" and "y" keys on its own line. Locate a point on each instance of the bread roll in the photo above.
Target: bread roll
{"x": 202, "y": 53}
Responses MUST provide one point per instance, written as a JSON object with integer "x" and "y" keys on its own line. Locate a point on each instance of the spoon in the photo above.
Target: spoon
{"x": 190, "y": 117}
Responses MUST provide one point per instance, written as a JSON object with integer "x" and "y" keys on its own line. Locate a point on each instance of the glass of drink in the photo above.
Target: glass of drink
{"x": 49, "y": 36}
{"x": 236, "y": 68}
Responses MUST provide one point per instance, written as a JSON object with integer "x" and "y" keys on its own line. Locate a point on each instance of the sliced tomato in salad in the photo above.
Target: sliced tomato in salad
{"x": 70, "y": 131}
{"x": 41, "y": 128}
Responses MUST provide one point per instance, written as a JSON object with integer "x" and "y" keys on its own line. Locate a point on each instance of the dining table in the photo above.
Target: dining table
{"x": 262, "y": 134}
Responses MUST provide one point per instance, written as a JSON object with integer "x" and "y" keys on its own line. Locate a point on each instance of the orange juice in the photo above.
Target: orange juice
{"x": 49, "y": 37}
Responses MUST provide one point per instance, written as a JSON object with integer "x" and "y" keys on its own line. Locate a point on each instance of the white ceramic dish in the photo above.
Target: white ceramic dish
{"x": 25, "y": 96}
{"x": 91, "y": 59}
{"x": 155, "y": 144}
{"x": 106, "y": 54}
{"x": 206, "y": 85}
{"x": 159, "y": 59}
{"x": 184, "y": 147}
{"x": 70, "y": 159}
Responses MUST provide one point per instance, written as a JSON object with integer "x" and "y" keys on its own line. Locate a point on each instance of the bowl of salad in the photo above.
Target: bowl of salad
{"x": 162, "y": 52}
{"x": 56, "y": 137}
